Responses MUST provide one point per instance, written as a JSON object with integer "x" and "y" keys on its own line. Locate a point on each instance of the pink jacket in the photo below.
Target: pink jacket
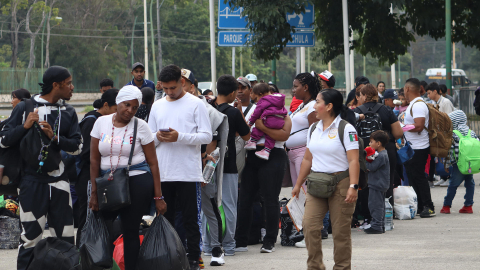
{"x": 268, "y": 106}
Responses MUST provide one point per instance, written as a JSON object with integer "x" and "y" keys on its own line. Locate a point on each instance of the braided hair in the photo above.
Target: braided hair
{"x": 313, "y": 82}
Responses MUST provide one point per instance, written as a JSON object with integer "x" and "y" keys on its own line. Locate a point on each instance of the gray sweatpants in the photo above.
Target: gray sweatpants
{"x": 376, "y": 204}
{"x": 211, "y": 237}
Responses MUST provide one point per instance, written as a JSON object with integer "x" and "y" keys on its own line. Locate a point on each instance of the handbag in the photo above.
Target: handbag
{"x": 115, "y": 194}
{"x": 322, "y": 185}
{"x": 406, "y": 152}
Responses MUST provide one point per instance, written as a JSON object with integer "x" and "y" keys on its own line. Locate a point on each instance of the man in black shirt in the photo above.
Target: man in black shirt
{"x": 227, "y": 87}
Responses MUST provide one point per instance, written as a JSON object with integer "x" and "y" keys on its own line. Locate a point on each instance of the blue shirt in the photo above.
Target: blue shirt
{"x": 146, "y": 83}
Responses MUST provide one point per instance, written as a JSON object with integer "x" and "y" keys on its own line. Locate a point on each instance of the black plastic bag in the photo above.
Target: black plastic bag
{"x": 95, "y": 249}
{"x": 162, "y": 248}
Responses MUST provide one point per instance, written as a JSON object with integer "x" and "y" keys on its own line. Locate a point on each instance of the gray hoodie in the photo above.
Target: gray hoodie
{"x": 379, "y": 172}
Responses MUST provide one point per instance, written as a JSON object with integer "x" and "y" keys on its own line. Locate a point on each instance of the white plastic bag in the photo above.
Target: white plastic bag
{"x": 405, "y": 202}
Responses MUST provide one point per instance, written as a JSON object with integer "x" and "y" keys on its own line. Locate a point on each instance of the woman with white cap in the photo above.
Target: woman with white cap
{"x": 111, "y": 144}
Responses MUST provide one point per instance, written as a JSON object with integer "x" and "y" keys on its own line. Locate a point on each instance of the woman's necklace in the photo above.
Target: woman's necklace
{"x": 43, "y": 155}
{"x": 112, "y": 170}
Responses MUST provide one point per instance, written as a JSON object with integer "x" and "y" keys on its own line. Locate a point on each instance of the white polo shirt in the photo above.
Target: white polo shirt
{"x": 420, "y": 109}
{"x": 329, "y": 156}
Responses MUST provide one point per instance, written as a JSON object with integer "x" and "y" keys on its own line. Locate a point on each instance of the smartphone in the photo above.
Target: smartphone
{"x": 164, "y": 130}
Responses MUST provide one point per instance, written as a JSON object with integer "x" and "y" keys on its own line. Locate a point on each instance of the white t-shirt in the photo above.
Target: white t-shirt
{"x": 181, "y": 161}
{"x": 420, "y": 109}
{"x": 445, "y": 105}
{"x": 329, "y": 156}
{"x": 102, "y": 130}
{"x": 300, "y": 122}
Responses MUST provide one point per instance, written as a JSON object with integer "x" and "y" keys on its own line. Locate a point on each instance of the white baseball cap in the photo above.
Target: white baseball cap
{"x": 251, "y": 77}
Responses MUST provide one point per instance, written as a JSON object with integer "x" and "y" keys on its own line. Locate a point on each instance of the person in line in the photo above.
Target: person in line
{"x": 227, "y": 87}
{"x": 381, "y": 89}
{"x": 159, "y": 93}
{"x": 404, "y": 105}
{"x": 444, "y": 90}
{"x": 378, "y": 182}
{"x": 108, "y": 107}
{"x": 138, "y": 73}
{"x": 189, "y": 80}
{"x": 252, "y": 78}
{"x": 18, "y": 95}
{"x": 271, "y": 109}
{"x": 305, "y": 88}
{"x": 112, "y": 136}
{"x": 435, "y": 94}
{"x": 273, "y": 88}
{"x": 105, "y": 85}
{"x": 359, "y": 82}
{"x": 45, "y": 194}
{"x": 388, "y": 97}
{"x": 327, "y": 79}
{"x": 417, "y": 114}
{"x": 323, "y": 142}
{"x": 459, "y": 122}
{"x": 207, "y": 92}
{"x": 148, "y": 96}
{"x": 181, "y": 125}
{"x": 265, "y": 176}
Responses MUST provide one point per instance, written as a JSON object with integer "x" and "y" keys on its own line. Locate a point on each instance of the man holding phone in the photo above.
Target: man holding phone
{"x": 181, "y": 125}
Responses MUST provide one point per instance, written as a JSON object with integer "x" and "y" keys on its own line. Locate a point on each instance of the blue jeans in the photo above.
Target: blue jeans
{"x": 325, "y": 221}
{"x": 455, "y": 180}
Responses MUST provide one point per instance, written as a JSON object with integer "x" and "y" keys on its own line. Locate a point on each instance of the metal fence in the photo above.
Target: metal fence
{"x": 466, "y": 98}
{"x": 12, "y": 79}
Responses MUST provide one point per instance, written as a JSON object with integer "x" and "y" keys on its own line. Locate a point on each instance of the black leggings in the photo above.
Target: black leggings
{"x": 265, "y": 176}
{"x": 141, "y": 194}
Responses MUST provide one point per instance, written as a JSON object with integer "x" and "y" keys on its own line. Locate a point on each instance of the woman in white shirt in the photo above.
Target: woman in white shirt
{"x": 305, "y": 87}
{"x": 326, "y": 154}
{"x": 110, "y": 149}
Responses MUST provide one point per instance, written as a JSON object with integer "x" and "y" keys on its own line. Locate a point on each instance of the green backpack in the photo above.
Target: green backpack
{"x": 468, "y": 160}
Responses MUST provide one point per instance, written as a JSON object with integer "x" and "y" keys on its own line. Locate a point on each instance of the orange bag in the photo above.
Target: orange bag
{"x": 118, "y": 251}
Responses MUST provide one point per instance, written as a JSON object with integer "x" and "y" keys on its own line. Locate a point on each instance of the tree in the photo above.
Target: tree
{"x": 13, "y": 7}
{"x": 34, "y": 9}
{"x": 47, "y": 45}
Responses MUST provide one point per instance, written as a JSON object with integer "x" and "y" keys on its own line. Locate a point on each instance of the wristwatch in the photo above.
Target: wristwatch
{"x": 354, "y": 186}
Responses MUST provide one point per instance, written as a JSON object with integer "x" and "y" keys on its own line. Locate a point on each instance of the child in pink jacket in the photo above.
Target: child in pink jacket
{"x": 271, "y": 109}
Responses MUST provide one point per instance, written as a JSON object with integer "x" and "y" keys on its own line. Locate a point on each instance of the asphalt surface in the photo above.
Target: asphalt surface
{"x": 438, "y": 243}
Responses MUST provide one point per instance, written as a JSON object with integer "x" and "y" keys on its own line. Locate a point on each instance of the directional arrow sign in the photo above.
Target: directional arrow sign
{"x": 240, "y": 38}
{"x": 302, "y": 21}
{"x": 229, "y": 18}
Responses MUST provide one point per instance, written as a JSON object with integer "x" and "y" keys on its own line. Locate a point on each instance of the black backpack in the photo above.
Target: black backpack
{"x": 371, "y": 123}
{"x": 53, "y": 253}
{"x": 286, "y": 225}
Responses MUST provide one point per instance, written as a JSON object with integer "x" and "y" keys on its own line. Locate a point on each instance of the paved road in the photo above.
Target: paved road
{"x": 444, "y": 242}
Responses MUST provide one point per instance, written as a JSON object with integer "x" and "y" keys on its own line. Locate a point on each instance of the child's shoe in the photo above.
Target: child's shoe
{"x": 251, "y": 145}
{"x": 445, "y": 209}
{"x": 466, "y": 210}
{"x": 263, "y": 154}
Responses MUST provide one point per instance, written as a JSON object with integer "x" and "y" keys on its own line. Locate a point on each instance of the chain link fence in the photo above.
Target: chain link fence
{"x": 466, "y": 98}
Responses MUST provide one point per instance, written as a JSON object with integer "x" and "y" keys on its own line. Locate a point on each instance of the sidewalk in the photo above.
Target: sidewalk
{"x": 444, "y": 242}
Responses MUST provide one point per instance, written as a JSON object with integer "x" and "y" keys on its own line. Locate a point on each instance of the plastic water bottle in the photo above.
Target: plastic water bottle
{"x": 210, "y": 166}
{"x": 388, "y": 215}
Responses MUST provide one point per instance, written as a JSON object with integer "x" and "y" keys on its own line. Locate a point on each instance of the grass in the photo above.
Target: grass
{"x": 87, "y": 109}
{"x": 288, "y": 101}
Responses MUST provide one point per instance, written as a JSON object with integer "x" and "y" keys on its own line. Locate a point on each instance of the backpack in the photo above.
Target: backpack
{"x": 440, "y": 130}
{"x": 287, "y": 228}
{"x": 476, "y": 102}
{"x": 363, "y": 176}
{"x": 10, "y": 157}
{"x": 53, "y": 253}
{"x": 468, "y": 160}
{"x": 371, "y": 123}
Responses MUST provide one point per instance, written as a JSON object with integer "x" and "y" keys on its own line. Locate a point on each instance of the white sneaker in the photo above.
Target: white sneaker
{"x": 217, "y": 257}
{"x": 365, "y": 226}
{"x": 439, "y": 183}
{"x": 301, "y": 244}
{"x": 263, "y": 233}
{"x": 241, "y": 249}
{"x": 445, "y": 184}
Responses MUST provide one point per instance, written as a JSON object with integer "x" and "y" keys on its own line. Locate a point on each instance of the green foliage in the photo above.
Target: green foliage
{"x": 88, "y": 109}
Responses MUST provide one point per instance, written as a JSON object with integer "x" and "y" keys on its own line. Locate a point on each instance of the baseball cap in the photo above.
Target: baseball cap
{"x": 138, "y": 64}
{"x": 251, "y": 77}
{"x": 244, "y": 81}
{"x": 326, "y": 75}
{"x": 390, "y": 93}
{"x": 362, "y": 80}
{"x": 187, "y": 74}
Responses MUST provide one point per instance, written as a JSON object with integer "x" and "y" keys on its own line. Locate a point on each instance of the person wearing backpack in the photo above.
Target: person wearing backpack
{"x": 417, "y": 114}
{"x": 378, "y": 117}
{"x": 44, "y": 190}
{"x": 329, "y": 154}
{"x": 105, "y": 105}
{"x": 464, "y": 139}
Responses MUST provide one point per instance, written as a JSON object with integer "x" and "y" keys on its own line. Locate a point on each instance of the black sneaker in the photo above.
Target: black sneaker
{"x": 194, "y": 265}
{"x": 267, "y": 248}
{"x": 217, "y": 257}
{"x": 324, "y": 233}
{"x": 427, "y": 212}
{"x": 372, "y": 231}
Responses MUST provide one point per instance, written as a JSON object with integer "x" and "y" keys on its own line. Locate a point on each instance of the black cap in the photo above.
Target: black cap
{"x": 362, "y": 80}
{"x": 390, "y": 93}
{"x": 138, "y": 64}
